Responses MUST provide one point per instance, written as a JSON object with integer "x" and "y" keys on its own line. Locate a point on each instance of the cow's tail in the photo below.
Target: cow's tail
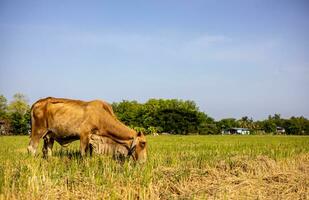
{"x": 31, "y": 120}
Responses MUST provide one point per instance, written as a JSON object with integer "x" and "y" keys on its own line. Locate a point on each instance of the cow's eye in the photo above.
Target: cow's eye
{"x": 142, "y": 144}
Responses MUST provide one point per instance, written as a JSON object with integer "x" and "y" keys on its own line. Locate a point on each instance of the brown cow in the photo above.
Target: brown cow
{"x": 66, "y": 120}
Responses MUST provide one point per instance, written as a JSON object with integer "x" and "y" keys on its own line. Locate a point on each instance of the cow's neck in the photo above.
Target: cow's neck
{"x": 118, "y": 130}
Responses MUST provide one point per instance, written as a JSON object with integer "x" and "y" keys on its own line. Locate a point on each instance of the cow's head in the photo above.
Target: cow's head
{"x": 138, "y": 148}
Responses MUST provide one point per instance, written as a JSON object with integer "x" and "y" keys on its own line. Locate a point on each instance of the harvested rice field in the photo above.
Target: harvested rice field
{"x": 178, "y": 167}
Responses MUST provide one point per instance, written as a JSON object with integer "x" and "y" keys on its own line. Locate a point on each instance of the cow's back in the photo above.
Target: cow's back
{"x": 63, "y": 117}
{"x": 51, "y": 107}
{"x": 66, "y": 117}
{"x": 103, "y": 106}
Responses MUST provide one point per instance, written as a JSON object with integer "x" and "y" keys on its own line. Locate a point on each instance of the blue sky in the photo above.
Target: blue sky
{"x": 233, "y": 58}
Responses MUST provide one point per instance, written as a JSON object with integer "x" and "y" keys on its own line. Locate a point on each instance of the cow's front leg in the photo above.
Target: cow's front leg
{"x": 90, "y": 147}
{"x": 84, "y": 141}
{"x": 48, "y": 146}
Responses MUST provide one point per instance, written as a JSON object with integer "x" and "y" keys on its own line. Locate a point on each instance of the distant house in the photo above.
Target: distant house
{"x": 239, "y": 131}
{"x": 280, "y": 130}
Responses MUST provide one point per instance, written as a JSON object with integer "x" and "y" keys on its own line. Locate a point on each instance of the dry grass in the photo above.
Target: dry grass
{"x": 240, "y": 178}
{"x": 192, "y": 167}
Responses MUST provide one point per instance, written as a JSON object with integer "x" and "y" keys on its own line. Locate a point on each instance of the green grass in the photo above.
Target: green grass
{"x": 173, "y": 162}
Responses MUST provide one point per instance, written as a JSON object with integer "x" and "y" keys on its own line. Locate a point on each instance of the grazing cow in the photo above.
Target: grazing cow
{"x": 66, "y": 120}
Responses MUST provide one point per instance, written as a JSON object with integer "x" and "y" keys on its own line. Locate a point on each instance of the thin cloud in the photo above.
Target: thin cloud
{"x": 179, "y": 49}
{"x": 247, "y": 51}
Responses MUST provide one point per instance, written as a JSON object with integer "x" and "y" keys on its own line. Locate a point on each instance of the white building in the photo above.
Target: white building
{"x": 240, "y": 131}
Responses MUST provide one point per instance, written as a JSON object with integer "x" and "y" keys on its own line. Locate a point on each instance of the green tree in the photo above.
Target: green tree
{"x": 246, "y": 122}
{"x": 278, "y": 120}
{"x": 207, "y": 125}
{"x": 19, "y": 114}
{"x": 227, "y": 123}
{"x": 173, "y": 116}
{"x": 19, "y": 104}
{"x": 152, "y": 130}
{"x": 269, "y": 126}
{"x": 166, "y": 115}
{"x": 3, "y": 107}
{"x": 296, "y": 126}
{"x": 129, "y": 112}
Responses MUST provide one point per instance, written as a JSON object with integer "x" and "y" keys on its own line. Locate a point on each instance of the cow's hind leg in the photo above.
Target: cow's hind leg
{"x": 48, "y": 145}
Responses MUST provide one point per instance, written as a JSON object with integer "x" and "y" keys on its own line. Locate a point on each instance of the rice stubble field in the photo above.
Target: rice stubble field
{"x": 178, "y": 167}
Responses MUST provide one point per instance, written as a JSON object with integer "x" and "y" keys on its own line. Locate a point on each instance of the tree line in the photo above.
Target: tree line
{"x": 15, "y": 116}
{"x": 171, "y": 116}
{"x": 184, "y": 117}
